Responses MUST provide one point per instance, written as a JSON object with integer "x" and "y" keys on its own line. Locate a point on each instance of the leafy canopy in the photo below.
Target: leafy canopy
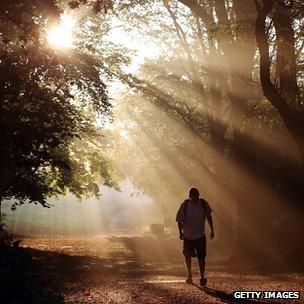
{"x": 50, "y": 101}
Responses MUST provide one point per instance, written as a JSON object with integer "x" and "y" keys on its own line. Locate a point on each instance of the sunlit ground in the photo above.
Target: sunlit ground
{"x": 142, "y": 269}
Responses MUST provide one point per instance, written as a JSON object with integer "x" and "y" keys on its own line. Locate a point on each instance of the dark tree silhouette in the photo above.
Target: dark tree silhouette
{"x": 285, "y": 95}
{"x": 49, "y": 100}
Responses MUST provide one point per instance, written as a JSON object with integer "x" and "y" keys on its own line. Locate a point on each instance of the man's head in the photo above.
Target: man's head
{"x": 193, "y": 193}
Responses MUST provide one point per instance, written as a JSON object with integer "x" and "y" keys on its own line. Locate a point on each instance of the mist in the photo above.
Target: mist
{"x": 151, "y": 151}
{"x": 121, "y": 212}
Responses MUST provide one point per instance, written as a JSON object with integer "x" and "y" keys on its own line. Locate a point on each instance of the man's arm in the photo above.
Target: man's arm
{"x": 210, "y": 222}
{"x": 180, "y": 228}
{"x": 180, "y": 218}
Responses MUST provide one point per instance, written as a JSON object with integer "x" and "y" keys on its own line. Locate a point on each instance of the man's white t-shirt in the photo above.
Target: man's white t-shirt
{"x": 194, "y": 223}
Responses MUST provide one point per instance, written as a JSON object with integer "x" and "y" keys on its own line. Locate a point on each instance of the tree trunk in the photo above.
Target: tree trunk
{"x": 285, "y": 97}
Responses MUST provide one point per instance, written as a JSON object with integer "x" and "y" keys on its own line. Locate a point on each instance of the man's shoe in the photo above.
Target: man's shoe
{"x": 189, "y": 280}
{"x": 203, "y": 282}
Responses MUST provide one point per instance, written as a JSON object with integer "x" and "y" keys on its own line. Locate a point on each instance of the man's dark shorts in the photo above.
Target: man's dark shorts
{"x": 195, "y": 248}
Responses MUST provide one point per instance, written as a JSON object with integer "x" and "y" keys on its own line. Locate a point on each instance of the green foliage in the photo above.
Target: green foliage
{"x": 97, "y": 5}
{"x": 50, "y": 100}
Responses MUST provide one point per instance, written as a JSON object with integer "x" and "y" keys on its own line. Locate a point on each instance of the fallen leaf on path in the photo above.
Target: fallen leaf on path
{"x": 87, "y": 292}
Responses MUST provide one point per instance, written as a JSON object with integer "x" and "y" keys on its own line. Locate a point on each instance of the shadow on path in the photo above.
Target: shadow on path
{"x": 228, "y": 297}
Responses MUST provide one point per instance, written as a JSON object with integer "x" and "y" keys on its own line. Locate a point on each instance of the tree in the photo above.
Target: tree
{"x": 285, "y": 95}
{"x": 207, "y": 79}
{"x": 50, "y": 100}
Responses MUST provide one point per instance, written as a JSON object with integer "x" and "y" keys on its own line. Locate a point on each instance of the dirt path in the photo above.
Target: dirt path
{"x": 142, "y": 269}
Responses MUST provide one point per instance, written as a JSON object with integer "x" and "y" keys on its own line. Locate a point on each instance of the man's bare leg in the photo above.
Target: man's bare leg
{"x": 188, "y": 264}
{"x": 202, "y": 264}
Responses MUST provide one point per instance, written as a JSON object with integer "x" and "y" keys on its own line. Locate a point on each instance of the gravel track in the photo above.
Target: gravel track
{"x": 143, "y": 269}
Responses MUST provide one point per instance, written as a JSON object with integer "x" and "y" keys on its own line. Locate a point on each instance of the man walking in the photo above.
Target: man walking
{"x": 191, "y": 218}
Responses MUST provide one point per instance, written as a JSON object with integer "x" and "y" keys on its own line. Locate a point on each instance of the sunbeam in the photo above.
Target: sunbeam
{"x": 151, "y": 151}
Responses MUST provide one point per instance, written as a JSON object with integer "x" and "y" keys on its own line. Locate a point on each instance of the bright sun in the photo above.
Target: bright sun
{"x": 61, "y": 35}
